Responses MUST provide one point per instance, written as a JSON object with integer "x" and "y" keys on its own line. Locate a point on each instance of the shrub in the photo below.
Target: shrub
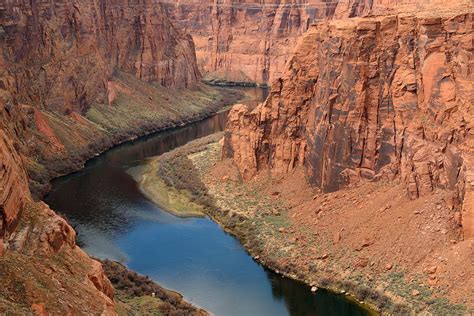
{"x": 362, "y": 292}
{"x": 325, "y": 282}
{"x": 134, "y": 285}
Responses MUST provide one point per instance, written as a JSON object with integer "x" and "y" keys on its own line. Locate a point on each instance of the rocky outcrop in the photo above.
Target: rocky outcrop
{"x": 34, "y": 241}
{"x": 369, "y": 98}
{"x": 41, "y": 256}
{"x": 13, "y": 180}
{"x": 14, "y": 186}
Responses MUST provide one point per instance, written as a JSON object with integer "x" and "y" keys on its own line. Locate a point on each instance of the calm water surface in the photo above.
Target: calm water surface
{"x": 192, "y": 256}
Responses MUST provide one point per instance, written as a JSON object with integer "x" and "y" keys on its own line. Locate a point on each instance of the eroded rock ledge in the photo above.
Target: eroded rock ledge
{"x": 369, "y": 98}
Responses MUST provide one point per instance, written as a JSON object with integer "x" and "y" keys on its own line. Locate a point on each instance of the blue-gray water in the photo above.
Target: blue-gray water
{"x": 192, "y": 256}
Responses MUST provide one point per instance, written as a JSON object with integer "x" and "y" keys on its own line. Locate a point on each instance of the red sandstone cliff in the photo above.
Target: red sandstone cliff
{"x": 60, "y": 61}
{"x": 246, "y": 41}
{"x": 60, "y": 56}
{"x": 251, "y": 41}
{"x": 370, "y": 98}
{"x": 38, "y": 249}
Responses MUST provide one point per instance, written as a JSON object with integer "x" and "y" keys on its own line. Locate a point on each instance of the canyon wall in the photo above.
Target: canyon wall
{"x": 251, "y": 41}
{"x": 76, "y": 77}
{"x": 59, "y": 62}
{"x": 61, "y": 55}
{"x": 378, "y": 98}
{"x": 246, "y": 41}
{"x": 37, "y": 247}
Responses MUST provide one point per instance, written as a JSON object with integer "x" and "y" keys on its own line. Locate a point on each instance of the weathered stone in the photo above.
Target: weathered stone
{"x": 352, "y": 106}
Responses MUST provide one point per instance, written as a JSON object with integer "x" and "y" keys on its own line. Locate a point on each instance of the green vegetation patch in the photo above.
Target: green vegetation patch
{"x": 139, "y": 295}
{"x": 178, "y": 202}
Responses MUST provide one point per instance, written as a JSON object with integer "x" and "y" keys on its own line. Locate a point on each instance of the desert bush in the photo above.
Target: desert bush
{"x": 401, "y": 309}
{"x": 325, "y": 282}
{"x": 382, "y": 302}
{"x": 362, "y": 292}
{"x": 134, "y": 285}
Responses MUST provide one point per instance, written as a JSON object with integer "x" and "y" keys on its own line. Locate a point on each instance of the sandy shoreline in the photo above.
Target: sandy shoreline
{"x": 167, "y": 198}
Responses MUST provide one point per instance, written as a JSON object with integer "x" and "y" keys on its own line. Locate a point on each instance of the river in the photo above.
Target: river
{"x": 193, "y": 256}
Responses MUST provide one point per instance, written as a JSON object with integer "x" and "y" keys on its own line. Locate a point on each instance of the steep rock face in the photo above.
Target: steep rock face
{"x": 369, "y": 98}
{"x": 33, "y": 237}
{"x": 58, "y": 62}
{"x": 246, "y": 41}
{"x": 13, "y": 181}
{"x": 251, "y": 41}
{"x": 61, "y": 55}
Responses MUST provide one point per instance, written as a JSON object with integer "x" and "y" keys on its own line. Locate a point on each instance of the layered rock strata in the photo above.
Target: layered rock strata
{"x": 37, "y": 246}
{"x": 369, "y": 98}
{"x": 77, "y": 77}
{"x": 244, "y": 42}
{"x": 61, "y": 55}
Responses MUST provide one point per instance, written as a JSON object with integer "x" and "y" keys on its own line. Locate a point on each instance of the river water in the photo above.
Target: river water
{"x": 193, "y": 256}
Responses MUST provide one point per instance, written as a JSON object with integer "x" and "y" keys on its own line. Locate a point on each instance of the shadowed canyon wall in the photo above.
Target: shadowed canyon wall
{"x": 370, "y": 98}
{"x": 58, "y": 61}
{"x": 61, "y": 55}
{"x": 65, "y": 67}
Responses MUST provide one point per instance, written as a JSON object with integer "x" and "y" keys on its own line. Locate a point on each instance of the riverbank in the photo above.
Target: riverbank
{"x": 139, "y": 295}
{"x": 64, "y": 143}
{"x": 177, "y": 202}
{"x": 297, "y": 236}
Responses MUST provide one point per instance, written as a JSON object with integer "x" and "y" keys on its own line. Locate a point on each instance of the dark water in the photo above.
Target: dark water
{"x": 192, "y": 256}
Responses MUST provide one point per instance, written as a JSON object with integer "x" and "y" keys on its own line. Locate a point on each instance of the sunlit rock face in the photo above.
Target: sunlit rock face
{"x": 369, "y": 98}
{"x": 251, "y": 41}
{"x": 247, "y": 41}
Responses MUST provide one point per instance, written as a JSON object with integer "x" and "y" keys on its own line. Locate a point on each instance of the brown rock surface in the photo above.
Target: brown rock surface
{"x": 246, "y": 41}
{"x": 368, "y": 98}
{"x": 61, "y": 55}
{"x": 13, "y": 181}
{"x": 251, "y": 41}
{"x": 57, "y": 277}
